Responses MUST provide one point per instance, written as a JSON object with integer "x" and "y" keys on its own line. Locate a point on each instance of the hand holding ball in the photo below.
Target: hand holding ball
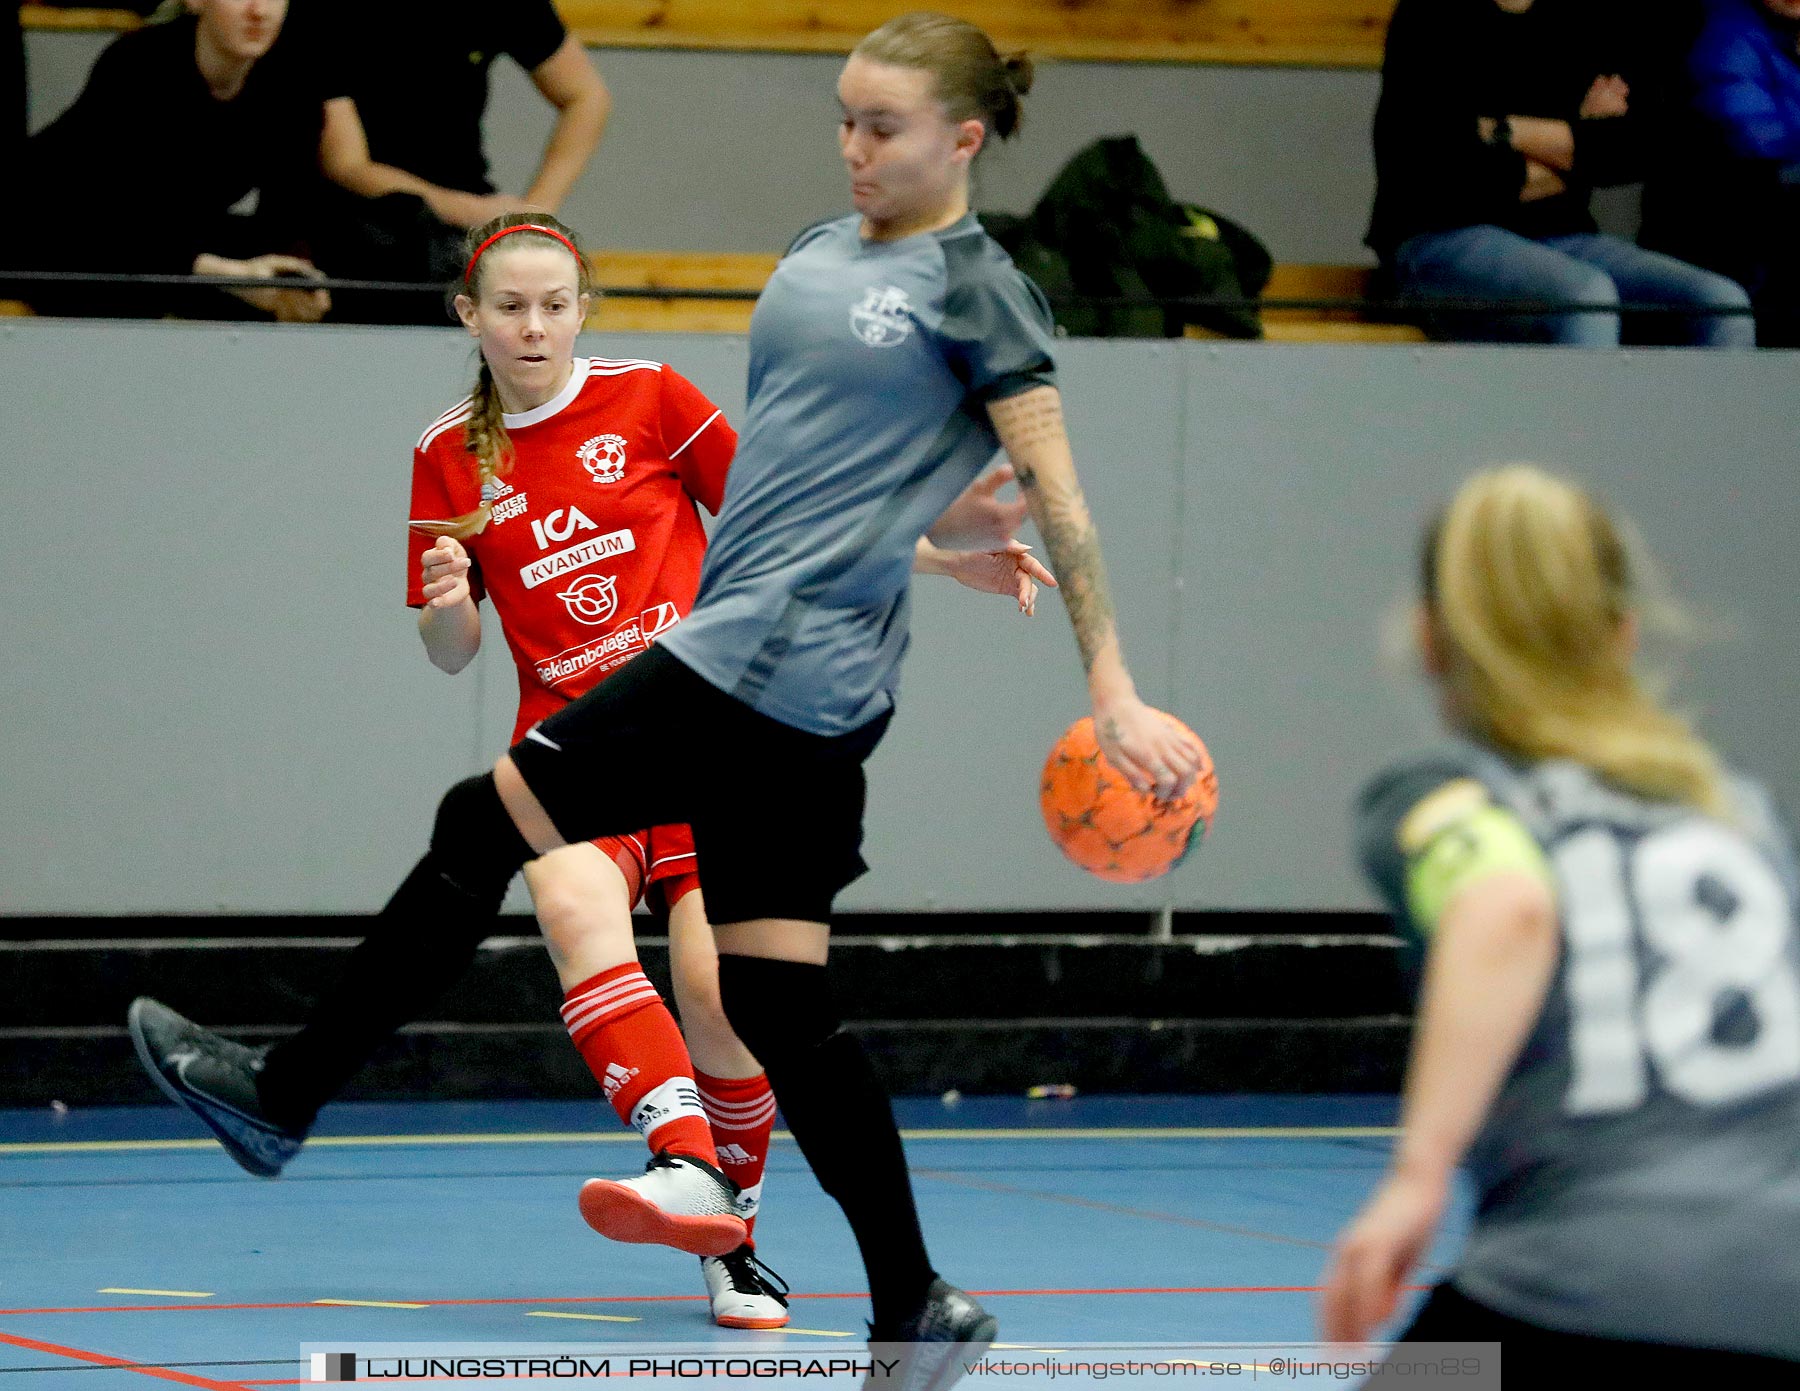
{"x": 1110, "y": 830}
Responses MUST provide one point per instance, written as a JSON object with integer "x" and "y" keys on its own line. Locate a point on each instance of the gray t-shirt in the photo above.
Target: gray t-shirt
{"x": 1639, "y": 1173}
{"x": 870, "y": 367}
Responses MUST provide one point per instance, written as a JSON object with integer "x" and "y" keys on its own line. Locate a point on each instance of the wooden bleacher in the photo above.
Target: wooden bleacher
{"x": 55, "y": 17}
{"x": 1346, "y": 325}
{"x": 679, "y": 270}
{"x": 1305, "y": 33}
{"x": 1313, "y": 33}
{"x": 748, "y": 271}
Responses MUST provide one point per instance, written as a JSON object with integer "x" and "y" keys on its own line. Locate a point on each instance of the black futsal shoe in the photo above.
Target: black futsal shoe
{"x": 216, "y": 1080}
{"x": 930, "y": 1350}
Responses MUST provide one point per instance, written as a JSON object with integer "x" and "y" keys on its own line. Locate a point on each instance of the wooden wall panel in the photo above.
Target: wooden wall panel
{"x": 1328, "y": 33}
{"x": 1309, "y": 33}
{"x": 1304, "y": 33}
{"x": 55, "y": 17}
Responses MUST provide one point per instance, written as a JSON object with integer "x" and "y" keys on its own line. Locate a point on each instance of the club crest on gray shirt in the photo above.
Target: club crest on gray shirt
{"x": 884, "y": 317}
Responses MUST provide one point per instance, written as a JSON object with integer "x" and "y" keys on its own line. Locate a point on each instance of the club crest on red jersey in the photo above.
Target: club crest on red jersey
{"x": 604, "y": 458}
{"x": 592, "y": 600}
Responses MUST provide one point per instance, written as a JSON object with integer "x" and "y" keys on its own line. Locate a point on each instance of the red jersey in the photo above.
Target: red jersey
{"x": 595, "y": 543}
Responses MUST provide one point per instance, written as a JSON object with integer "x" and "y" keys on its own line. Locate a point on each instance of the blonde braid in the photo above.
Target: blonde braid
{"x": 486, "y": 440}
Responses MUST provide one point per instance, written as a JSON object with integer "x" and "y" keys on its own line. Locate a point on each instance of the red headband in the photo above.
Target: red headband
{"x": 469, "y": 271}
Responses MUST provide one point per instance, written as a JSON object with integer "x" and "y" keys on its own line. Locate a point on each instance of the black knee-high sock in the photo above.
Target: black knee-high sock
{"x": 840, "y": 1117}
{"x": 418, "y": 945}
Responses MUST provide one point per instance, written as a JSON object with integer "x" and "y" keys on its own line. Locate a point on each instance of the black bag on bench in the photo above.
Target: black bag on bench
{"x": 1106, "y": 229}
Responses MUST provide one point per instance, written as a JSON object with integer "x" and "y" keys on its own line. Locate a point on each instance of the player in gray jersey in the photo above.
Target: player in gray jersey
{"x": 893, "y": 353}
{"x": 1609, "y": 1025}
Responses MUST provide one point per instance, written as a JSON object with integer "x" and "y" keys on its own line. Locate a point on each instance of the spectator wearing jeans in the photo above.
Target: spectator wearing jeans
{"x": 1732, "y": 201}
{"x": 155, "y": 165}
{"x": 1497, "y": 119}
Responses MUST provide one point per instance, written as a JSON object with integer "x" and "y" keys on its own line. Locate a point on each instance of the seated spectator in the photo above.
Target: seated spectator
{"x": 1497, "y": 120}
{"x": 15, "y": 126}
{"x": 12, "y": 81}
{"x": 153, "y": 167}
{"x": 1731, "y": 202}
{"x": 402, "y": 143}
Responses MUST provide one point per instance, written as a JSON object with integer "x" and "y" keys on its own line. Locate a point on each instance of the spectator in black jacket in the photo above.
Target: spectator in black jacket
{"x": 12, "y": 83}
{"x": 405, "y": 171}
{"x": 1497, "y": 120}
{"x": 159, "y": 162}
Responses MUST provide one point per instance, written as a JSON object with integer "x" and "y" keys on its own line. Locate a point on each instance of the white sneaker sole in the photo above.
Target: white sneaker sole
{"x": 619, "y": 1212}
{"x": 748, "y": 1321}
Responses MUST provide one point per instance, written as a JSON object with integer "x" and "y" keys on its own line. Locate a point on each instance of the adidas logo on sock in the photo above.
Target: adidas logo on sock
{"x": 615, "y": 1078}
{"x": 675, "y": 1099}
{"x": 647, "y": 1117}
{"x": 735, "y": 1154}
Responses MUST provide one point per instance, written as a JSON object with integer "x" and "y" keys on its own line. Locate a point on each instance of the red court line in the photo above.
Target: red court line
{"x": 100, "y": 1359}
{"x": 657, "y": 1299}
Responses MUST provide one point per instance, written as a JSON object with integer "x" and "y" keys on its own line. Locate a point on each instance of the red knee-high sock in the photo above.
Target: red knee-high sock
{"x": 627, "y": 1037}
{"x": 742, "y": 1112}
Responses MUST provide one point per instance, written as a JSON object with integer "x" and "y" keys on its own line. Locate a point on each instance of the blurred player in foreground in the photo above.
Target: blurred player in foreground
{"x": 1609, "y": 1023}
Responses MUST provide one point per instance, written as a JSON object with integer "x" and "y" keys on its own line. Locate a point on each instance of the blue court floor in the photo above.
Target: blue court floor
{"x": 132, "y": 1248}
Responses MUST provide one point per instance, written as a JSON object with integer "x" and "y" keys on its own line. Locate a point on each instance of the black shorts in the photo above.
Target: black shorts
{"x": 1532, "y": 1356}
{"x": 777, "y": 812}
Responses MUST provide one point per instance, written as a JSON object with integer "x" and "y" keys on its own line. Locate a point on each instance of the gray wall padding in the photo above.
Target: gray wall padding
{"x": 216, "y": 701}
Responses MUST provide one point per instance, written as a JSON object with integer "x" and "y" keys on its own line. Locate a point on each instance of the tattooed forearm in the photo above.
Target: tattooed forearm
{"x": 1074, "y": 549}
{"x": 1030, "y": 419}
{"x": 1031, "y": 428}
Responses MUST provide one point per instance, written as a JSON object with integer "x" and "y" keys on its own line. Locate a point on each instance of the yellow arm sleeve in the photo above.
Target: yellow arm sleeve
{"x": 1456, "y": 837}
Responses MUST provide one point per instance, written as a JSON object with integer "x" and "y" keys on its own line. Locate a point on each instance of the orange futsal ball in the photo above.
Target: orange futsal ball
{"x": 1100, "y": 823}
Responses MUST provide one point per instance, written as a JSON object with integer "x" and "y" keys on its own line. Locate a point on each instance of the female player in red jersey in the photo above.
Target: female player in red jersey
{"x": 566, "y": 489}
